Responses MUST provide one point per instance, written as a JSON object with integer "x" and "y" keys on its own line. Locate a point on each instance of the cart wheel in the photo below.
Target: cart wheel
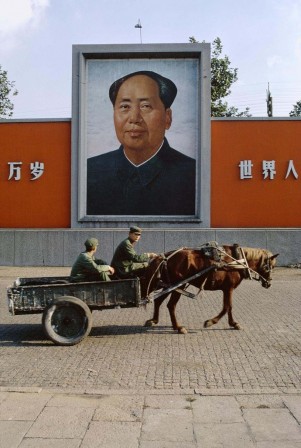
{"x": 67, "y": 321}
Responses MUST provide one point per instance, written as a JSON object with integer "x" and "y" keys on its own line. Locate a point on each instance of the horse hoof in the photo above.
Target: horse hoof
{"x": 208, "y": 323}
{"x": 182, "y": 330}
{"x": 237, "y": 327}
{"x": 150, "y": 323}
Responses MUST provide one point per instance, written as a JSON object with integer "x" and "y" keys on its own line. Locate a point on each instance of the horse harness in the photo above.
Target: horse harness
{"x": 219, "y": 255}
{"x": 218, "y": 258}
{"x": 239, "y": 261}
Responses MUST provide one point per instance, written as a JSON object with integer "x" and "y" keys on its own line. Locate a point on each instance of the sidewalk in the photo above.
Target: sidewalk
{"x": 37, "y": 418}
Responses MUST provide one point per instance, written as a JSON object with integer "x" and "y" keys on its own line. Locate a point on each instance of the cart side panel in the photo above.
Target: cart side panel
{"x": 97, "y": 295}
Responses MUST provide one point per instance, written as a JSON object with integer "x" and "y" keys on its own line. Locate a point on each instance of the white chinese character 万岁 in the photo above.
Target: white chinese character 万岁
{"x": 14, "y": 170}
{"x": 36, "y": 169}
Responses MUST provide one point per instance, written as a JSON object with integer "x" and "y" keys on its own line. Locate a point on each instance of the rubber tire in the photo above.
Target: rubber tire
{"x": 67, "y": 321}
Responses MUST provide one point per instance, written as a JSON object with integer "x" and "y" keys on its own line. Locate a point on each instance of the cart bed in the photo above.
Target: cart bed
{"x": 33, "y": 295}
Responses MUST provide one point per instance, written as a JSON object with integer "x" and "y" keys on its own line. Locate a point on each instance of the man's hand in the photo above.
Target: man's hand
{"x": 151, "y": 255}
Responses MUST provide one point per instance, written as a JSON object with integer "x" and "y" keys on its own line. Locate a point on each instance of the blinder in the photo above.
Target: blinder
{"x": 265, "y": 271}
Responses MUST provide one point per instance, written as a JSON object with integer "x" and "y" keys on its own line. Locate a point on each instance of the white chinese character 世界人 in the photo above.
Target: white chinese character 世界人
{"x": 268, "y": 167}
{"x": 292, "y": 169}
{"x": 245, "y": 167}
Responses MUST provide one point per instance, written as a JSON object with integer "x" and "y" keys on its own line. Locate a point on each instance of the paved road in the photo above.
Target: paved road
{"x": 121, "y": 353}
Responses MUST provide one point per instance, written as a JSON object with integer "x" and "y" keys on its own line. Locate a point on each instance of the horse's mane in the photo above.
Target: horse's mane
{"x": 251, "y": 253}
{"x": 255, "y": 254}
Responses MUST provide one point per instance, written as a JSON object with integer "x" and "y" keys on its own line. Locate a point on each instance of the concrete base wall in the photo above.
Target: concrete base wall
{"x": 60, "y": 247}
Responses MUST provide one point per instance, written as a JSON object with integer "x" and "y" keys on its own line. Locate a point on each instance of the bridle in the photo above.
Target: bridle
{"x": 266, "y": 268}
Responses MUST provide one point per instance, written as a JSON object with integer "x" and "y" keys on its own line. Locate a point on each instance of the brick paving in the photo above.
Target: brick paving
{"x": 134, "y": 387}
{"x": 121, "y": 353}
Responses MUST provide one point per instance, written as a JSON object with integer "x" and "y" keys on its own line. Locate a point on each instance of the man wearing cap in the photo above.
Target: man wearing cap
{"x": 145, "y": 176}
{"x": 88, "y": 269}
{"x": 125, "y": 260}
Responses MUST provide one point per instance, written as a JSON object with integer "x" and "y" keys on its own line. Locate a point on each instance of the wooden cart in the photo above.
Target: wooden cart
{"x": 67, "y": 307}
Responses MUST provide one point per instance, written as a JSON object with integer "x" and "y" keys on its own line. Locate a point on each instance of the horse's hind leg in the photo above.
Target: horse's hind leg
{"x": 175, "y": 296}
{"x": 155, "y": 319}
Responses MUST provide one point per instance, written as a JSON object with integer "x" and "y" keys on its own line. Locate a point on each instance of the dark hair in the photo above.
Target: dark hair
{"x": 167, "y": 89}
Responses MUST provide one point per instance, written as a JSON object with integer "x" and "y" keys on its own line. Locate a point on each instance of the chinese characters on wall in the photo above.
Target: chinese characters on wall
{"x": 268, "y": 169}
{"x": 36, "y": 170}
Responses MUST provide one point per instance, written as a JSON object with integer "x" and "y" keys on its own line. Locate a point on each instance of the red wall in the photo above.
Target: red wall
{"x": 235, "y": 202}
{"x": 44, "y": 202}
{"x": 255, "y": 202}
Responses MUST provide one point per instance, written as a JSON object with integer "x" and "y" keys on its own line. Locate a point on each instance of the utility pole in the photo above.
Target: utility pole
{"x": 269, "y": 101}
{"x": 140, "y": 27}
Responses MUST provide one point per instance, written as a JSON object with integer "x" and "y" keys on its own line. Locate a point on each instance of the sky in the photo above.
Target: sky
{"x": 262, "y": 38}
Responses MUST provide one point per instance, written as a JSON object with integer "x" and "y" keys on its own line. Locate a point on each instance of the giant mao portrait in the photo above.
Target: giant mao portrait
{"x": 139, "y": 138}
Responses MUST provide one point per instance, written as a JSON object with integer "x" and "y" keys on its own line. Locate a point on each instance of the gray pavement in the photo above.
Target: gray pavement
{"x": 42, "y": 418}
{"x": 131, "y": 386}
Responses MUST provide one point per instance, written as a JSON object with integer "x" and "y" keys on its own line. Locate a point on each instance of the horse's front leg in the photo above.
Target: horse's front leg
{"x": 155, "y": 319}
{"x": 231, "y": 321}
{"x": 175, "y": 296}
{"x": 227, "y": 308}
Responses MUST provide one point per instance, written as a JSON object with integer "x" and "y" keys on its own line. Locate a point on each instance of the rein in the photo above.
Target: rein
{"x": 164, "y": 261}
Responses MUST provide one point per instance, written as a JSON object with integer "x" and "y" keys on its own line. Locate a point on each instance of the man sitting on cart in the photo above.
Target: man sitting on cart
{"x": 126, "y": 262}
{"x": 88, "y": 269}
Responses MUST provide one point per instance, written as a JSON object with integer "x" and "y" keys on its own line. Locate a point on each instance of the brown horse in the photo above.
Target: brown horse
{"x": 223, "y": 267}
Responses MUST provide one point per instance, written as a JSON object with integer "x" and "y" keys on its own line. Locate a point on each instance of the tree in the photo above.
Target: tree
{"x": 296, "y": 112}
{"x": 7, "y": 88}
{"x": 222, "y": 77}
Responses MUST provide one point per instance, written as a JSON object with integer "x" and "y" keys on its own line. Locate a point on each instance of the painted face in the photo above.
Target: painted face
{"x": 140, "y": 117}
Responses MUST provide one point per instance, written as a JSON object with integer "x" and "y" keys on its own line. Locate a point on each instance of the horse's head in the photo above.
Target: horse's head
{"x": 265, "y": 269}
{"x": 261, "y": 263}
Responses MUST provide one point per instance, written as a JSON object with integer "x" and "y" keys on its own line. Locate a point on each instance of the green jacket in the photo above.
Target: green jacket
{"x": 86, "y": 266}
{"x": 125, "y": 257}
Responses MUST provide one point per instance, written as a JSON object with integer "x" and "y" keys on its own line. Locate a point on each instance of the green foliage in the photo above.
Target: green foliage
{"x": 296, "y": 112}
{"x": 222, "y": 77}
{"x": 7, "y": 88}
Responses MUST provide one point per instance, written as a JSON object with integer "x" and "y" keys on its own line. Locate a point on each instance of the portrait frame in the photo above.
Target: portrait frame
{"x": 94, "y": 69}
